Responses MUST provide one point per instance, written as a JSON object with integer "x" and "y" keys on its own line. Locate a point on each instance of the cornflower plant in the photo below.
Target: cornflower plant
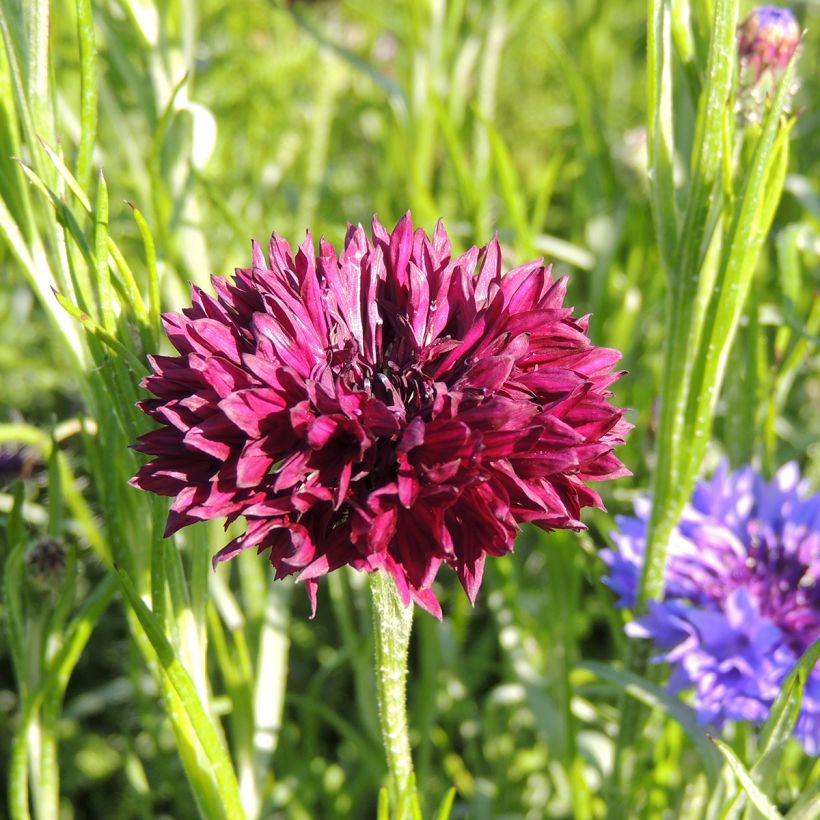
{"x": 387, "y": 408}
{"x": 420, "y": 424}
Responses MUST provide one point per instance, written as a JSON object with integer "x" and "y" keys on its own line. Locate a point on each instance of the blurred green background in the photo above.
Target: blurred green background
{"x": 223, "y": 121}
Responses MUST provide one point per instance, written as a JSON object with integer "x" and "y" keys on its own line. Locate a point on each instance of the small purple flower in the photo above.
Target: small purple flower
{"x": 767, "y": 38}
{"x": 742, "y": 599}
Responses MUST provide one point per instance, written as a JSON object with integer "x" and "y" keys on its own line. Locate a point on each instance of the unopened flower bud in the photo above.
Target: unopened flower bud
{"x": 767, "y": 39}
{"x": 45, "y": 564}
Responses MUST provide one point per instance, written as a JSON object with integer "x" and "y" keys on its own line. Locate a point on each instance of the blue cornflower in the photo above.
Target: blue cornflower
{"x": 742, "y": 599}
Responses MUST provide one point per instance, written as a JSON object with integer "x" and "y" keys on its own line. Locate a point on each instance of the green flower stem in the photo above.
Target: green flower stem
{"x": 392, "y": 622}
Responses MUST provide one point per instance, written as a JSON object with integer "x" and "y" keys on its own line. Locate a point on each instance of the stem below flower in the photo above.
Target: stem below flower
{"x": 392, "y": 622}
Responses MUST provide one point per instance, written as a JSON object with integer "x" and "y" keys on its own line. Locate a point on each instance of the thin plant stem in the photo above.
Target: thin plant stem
{"x": 392, "y": 622}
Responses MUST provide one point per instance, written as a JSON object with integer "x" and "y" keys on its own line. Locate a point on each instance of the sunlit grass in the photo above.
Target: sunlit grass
{"x": 146, "y": 678}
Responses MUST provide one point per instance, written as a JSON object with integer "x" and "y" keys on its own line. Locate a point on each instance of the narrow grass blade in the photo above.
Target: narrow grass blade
{"x": 652, "y": 695}
{"x": 807, "y": 806}
{"x": 88, "y": 89}
{"x": 446, "y": 805}
{"x": 760, "y": 801}
{"x": 53, "y": 686}
{"x": 212, "y": 746}
{"x": 785, "y": 711}
{"x": 103, "y": 335}
{"x": 511, "y": 187}
{"x": 129, "y": 283}
{"x": 151, "y": 264}
{"x": 104, "y": 293}
{"x": 12, "y": 586}
{"x": 383, "y": 810}
{"x": 660, "y": 131}
{"x": 734, "y": 278}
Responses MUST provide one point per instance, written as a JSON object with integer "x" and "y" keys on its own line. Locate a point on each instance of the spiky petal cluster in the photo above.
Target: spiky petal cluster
{"x": 387, "y": 407}
{"x": 742, "y": 599}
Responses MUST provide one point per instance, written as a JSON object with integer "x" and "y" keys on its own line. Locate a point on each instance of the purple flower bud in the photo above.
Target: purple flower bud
{"x": 767, "y": 38}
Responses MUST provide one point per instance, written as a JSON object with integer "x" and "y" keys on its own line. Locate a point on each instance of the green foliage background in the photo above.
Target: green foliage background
{"x": 222, "y": 121}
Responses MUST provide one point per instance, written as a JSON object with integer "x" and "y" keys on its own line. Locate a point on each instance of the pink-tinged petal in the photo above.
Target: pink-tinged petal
{"x": 539, "y": 465}
{"x": 445, "y": 440}
{"x": 252, "y": 537}
{"x": 442, "y": 472}
{"x": 419, "y": 302}
{"x": 490, "y": 273}
{"x": 287, "y": 347}
{"x": 379, "y": 420}
{"x": 551, "y": 382}
{"x": 222, "y": 375}
{"x": 441, "y": 244}
{"x": 257, "y": 255}
{"x": 291, "y": 472}
{"x": 604, "y": 467}
{"x": 401, "y": 246}
{"x": 309, "y": 288}
{"x": 252, "y": 465}
{"x": 343, "y": 483}
{"x": 321, "y": 431}
{"x": 524, "y": 287}
{"x": 250, "y": 409}
{"x": 487, "y": 374}
{"x": 470, "y": 570}
{"x": 408, "y": 485}
{"x": 215, "y": 436}
{"x": 503, "y": 443}
{"x": 165, "y": 441}
{"x": 280, "y": 255}
{"x": 475, "y": 338}
{"x": 413, "y": 436}
{"x": 212, "y": 337}
{"x": 427, "y": 600}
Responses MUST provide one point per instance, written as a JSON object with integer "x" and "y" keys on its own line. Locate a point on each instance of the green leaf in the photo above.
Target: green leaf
{"x": 13, "y": 584}
{"x": 218, "y": 759}
{"x": 783, "y": 716}
{"x": 104, "y": 293}
{"x": 53, "y": 686}
{"x": 654, "y": 696}
{"x": 761, "y": 802}
{"x": 88, "y": 88}
{"x": 103, "y": 335}
{"x": 672, "y": 484}
{"x": 446, "y": 805}
{"x": 807, "y": 806}
{"x": 151, "y": 263}
{"x": 383, "y": 811}
{"x": 660, "y": 130}
{"x": 129, "y": 283}
{"x": 741, "y": 251}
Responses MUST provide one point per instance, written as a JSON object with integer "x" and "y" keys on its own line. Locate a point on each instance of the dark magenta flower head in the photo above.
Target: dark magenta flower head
{"x": 386, "y": 407}
{"x": 767, "y": 38}
{"x": 742, "y": 599}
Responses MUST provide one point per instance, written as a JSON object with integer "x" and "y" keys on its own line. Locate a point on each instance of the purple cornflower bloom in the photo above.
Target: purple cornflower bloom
{"x": 388, "y": 408}
{"x": 742, "y": 599}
